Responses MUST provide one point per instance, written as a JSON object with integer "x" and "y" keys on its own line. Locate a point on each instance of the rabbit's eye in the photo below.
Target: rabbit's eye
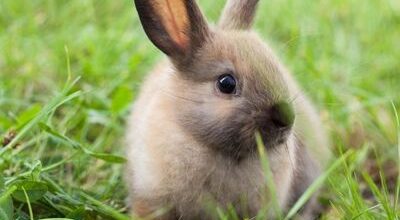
{"x": 226, "y": 84}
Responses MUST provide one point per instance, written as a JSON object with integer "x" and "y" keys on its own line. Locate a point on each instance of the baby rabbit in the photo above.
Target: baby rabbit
{"x": 191, "y": 135}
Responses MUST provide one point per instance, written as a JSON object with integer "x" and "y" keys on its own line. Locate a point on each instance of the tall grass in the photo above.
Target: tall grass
{"x": 61, "y": 147}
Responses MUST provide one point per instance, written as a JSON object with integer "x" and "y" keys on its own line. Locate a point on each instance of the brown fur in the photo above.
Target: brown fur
{"x": 238, "y": 14}
{"x": 190, "y": 146}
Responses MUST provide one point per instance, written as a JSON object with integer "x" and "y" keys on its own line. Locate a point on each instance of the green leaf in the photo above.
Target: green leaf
{"x": 121, "y": 99}
{"x": 103, "y": 208}
{"x": 35, "y": 190}
{"x": 77, "y": 214}
{"x": 28, "y": 115}
{"x": 1, "y": 182}
{"x": 59, "y": 136}
{"x": 36, "y": 170}
{"x": 108, "y": 157}
{"x": 6, "y": 208}
{"x": 6, "y": 204}
{"x": 5, "y": 122}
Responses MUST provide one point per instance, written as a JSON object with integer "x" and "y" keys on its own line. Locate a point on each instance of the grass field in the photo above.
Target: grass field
{"x": 70, "y": 69}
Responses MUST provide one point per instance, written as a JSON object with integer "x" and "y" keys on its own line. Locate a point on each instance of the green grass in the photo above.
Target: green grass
{"x": 63, "y": 160}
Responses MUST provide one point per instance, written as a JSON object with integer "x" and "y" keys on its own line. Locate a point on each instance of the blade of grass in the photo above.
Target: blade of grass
{"x": 316, "y": 184}
{"x": 69, "y": 73}
{"x": 105, "y": 209}
{"x": 29, "y": 203}
{"x": 268, "y": 175}
{"x": 378, "y": 195}
{"x": 53, "y": 105}
{"x": 357, "y": 201}
{"x": 45, "y": 169}
{"x": 221, "y": 214}
{"x": 232, "y": 212}
{"x": 365, "y": 211}
{"x": 7, "y": 193}
{"x": 156, "y": 214}
{"x": 56, "y": 219}
{"x": 396, "y": 200}
{"x": 76, "y": 145}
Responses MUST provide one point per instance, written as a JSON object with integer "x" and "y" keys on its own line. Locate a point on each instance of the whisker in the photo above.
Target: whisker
{"x": 295, "y": 97}
{"x": 290, "y": 158}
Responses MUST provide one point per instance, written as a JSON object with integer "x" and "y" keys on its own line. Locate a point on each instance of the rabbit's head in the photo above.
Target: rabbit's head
{"x": 226, "y": 83}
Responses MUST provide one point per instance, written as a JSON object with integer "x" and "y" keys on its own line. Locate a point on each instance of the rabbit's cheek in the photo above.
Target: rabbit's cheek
{"x": 226, "y": 130}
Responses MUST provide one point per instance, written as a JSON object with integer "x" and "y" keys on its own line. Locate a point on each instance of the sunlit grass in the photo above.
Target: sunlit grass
{"x": 62, "y": 139}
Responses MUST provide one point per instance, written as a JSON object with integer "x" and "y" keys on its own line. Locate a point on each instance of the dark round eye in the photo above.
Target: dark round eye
{"x": 226, "y": 84}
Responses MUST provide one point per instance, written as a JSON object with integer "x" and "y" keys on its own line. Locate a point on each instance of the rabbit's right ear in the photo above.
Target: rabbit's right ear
{"x": 238, "y": 14}
{"x": 176, "y": 27}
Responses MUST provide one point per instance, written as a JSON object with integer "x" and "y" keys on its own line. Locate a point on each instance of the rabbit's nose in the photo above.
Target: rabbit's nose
{"x": 282, "y": 115}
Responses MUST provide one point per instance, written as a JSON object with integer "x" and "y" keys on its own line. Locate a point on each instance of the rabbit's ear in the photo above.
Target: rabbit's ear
{"x": 176, "y": 27}
{"x": 238, "y": 14}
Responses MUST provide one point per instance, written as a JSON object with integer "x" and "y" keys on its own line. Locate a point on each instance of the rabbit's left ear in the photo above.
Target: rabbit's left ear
{"x": 176, "y": 27}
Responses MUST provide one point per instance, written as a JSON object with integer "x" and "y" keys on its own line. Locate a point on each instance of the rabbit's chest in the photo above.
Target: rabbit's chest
{"x": 215, "y": 180}
{"x": 220, "y": 183}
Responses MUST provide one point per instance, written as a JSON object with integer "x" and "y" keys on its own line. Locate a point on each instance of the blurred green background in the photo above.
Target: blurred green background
{"x": 344, "y": 53}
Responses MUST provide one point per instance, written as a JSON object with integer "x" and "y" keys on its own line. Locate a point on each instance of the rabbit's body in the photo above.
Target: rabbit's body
{"x": 190, "y": 147}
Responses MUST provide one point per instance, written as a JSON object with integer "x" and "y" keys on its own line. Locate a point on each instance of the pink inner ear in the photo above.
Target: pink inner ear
{"x": 174, "y": 18}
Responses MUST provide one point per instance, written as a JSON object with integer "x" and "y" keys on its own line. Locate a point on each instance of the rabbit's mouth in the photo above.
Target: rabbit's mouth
{"x": 275, "y": 125}
{"x": 273, "y": 138}
{"x": 242, "y": 145}
{"x": 234, "y": 136}
{"x": 236, "y": 139}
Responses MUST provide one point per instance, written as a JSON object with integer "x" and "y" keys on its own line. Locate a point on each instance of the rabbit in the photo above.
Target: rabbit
{"x": 190, "y": 139}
